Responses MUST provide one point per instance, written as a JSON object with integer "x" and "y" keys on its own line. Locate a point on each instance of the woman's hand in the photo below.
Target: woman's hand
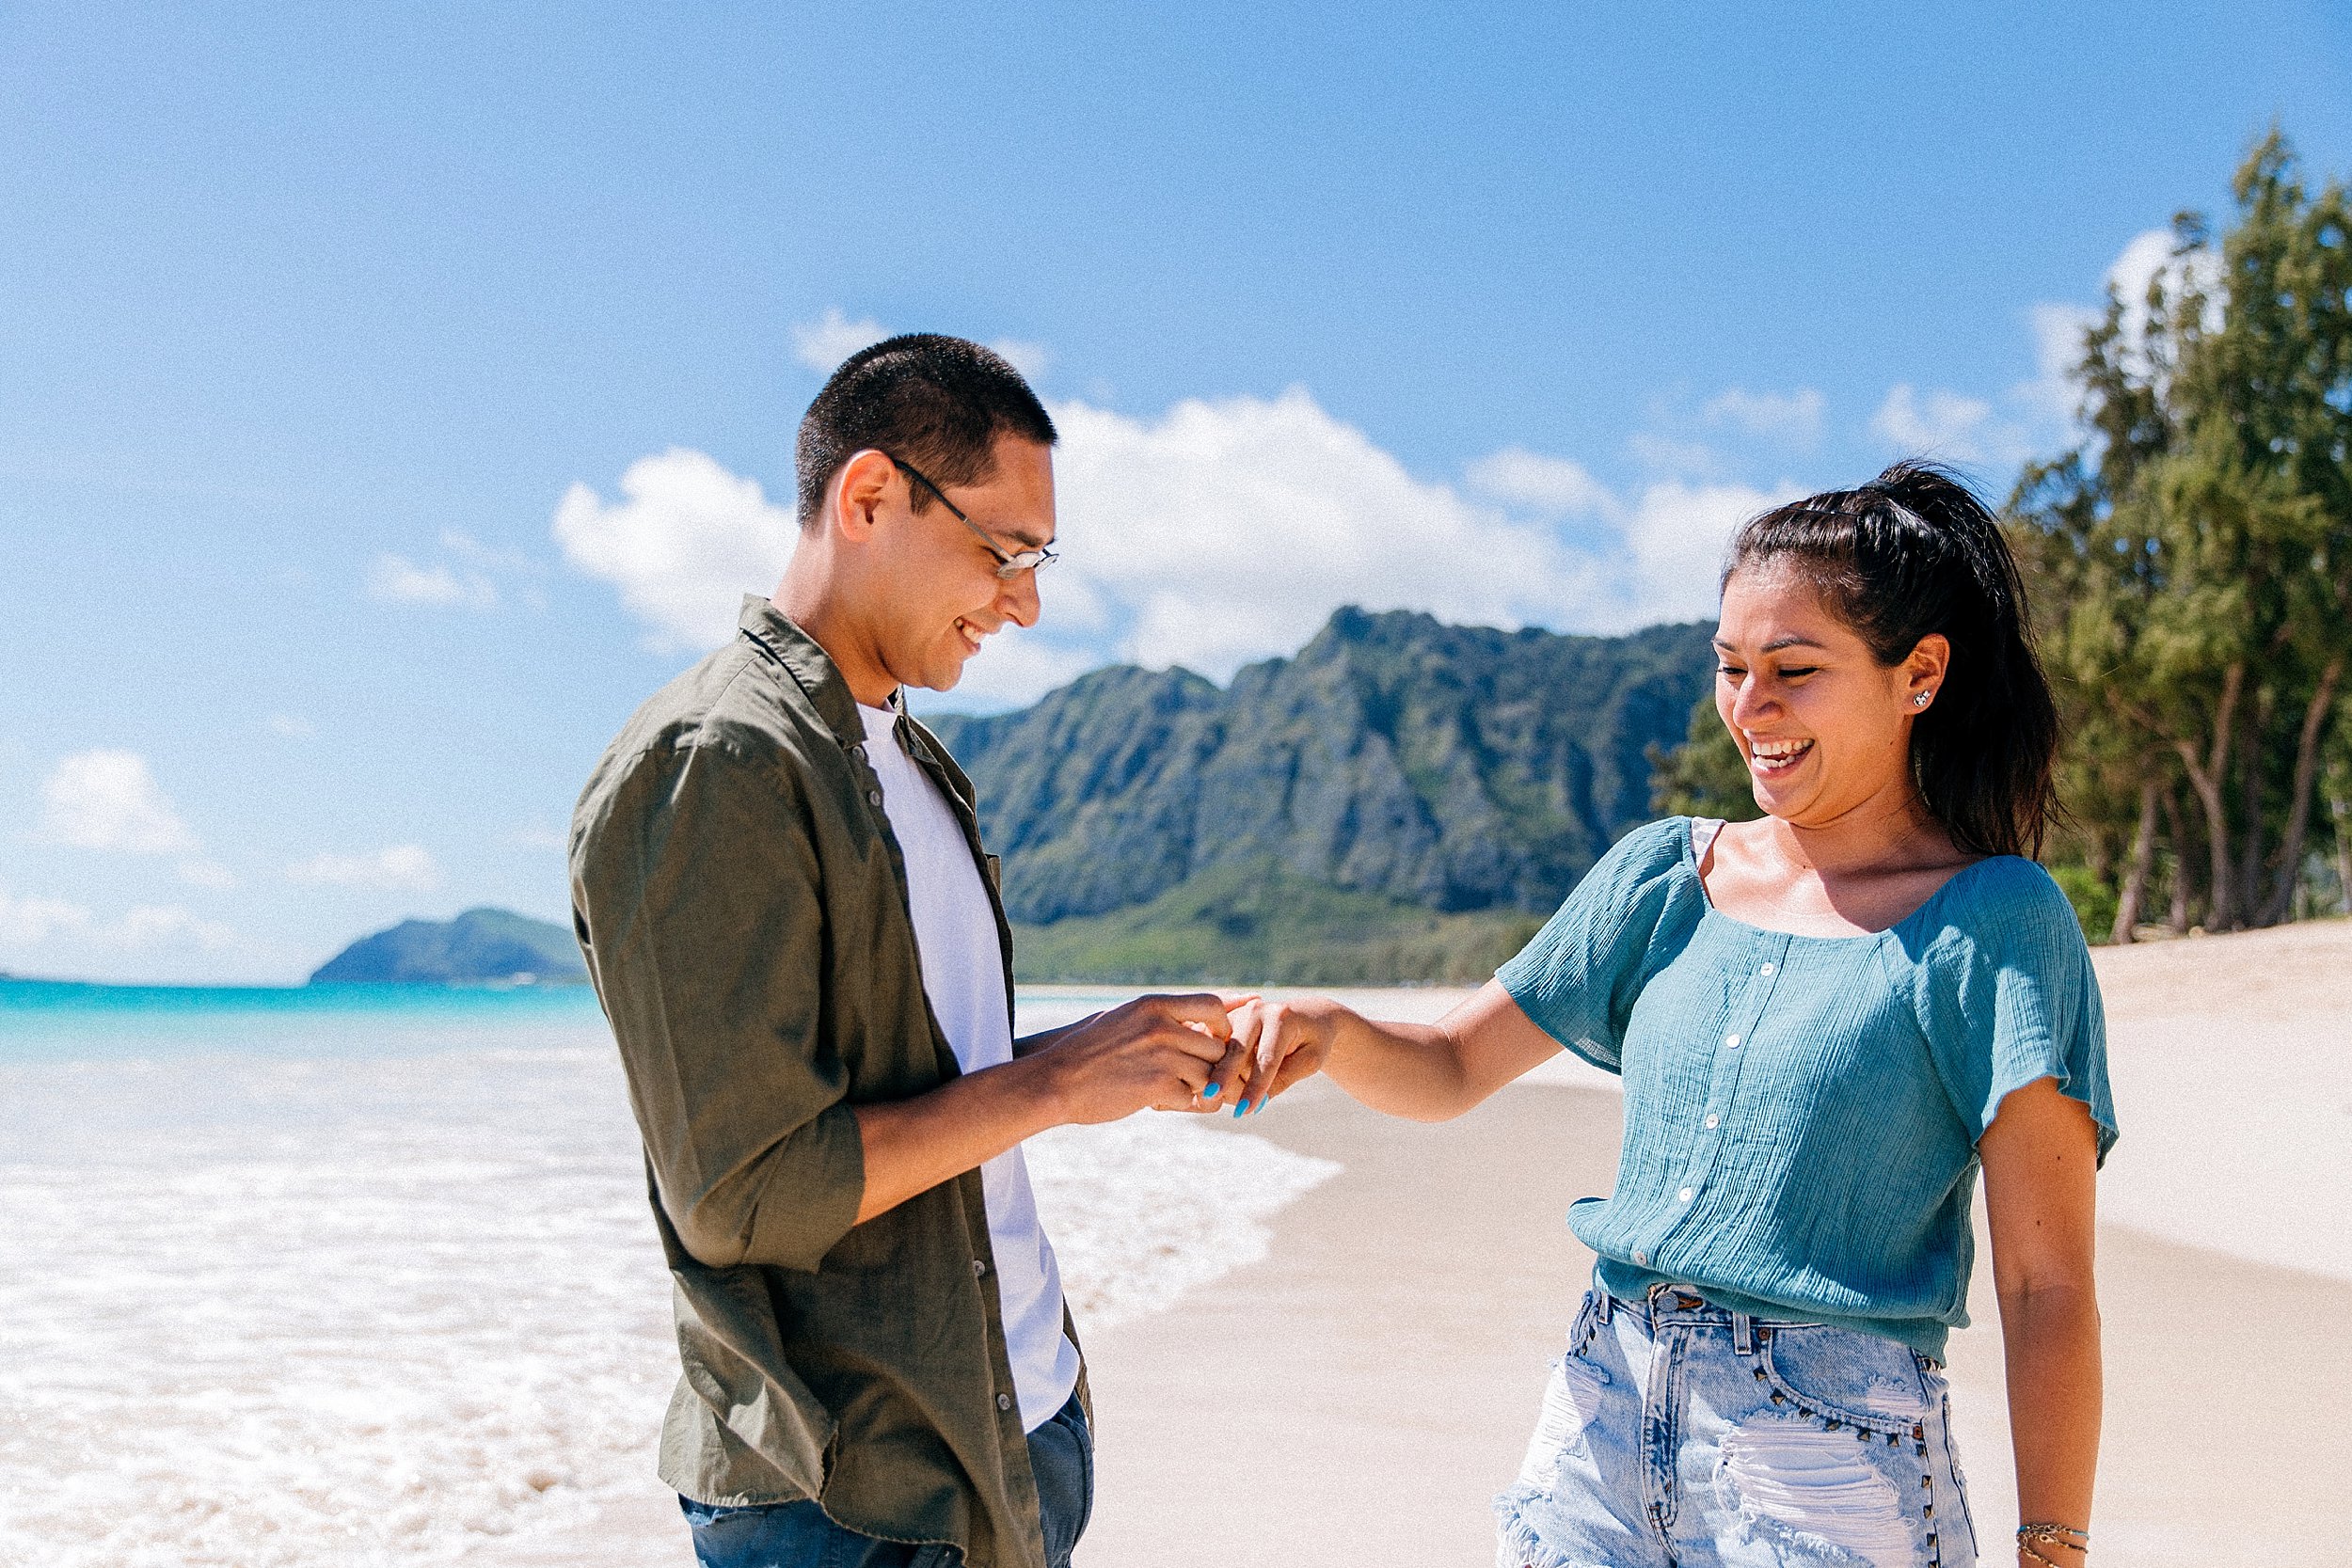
{"x": 1274, "y": 1045}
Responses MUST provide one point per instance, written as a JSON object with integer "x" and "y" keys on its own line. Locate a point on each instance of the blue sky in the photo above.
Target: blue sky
{"x": 391, "y": 397}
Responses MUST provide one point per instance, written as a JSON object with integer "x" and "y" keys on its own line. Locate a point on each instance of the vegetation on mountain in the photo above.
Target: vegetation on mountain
{"x": 1392, "y": 804}
{"x": 1238, "y": 924}
{"x": 479, "y": 947}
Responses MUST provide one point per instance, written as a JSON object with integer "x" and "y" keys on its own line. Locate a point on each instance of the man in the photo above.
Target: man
{"x": 778, "y": 881}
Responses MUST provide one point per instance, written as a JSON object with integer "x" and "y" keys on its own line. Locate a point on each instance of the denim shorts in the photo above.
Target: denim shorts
{"x": 1678, "y": 1435}
{"x": 801, "y": 1535}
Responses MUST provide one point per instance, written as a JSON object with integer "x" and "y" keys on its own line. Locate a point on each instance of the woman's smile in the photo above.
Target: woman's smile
{"x": 1771, "y": 759}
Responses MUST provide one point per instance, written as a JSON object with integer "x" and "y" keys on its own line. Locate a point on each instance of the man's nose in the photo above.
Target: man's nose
{"x": 1018, "y": 601}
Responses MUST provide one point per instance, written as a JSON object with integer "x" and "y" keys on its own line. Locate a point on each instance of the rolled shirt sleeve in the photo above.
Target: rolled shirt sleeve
{"x": 696, "y": 886}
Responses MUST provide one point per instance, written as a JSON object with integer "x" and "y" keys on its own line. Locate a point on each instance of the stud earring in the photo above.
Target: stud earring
{"x": 1921, "y": 699}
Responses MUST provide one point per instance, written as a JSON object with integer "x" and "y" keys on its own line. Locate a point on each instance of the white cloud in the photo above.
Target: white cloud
{"x": 169, "y": 926}
{"x": 1675, "y": 536}
{"x": 64, "y": 928}
{"x": 1551, "y": 486}
{"x": 824, "y": 343}
{"x": 2058, "y": 340}
{"x": 1030, "y": 360}
{"x": 1940, "y": 425}
{"x": 1794, "y": 417}
{"x": 2054, "y": 397}
{"x": 401, "y": 867}
{"x": 1663, "y": 454}
{"x": 109, "y": 799}
{"x": 1015, "y": 668}
{"x": 1226, "y": 531}
{"x": 683, "y": 546}
{"x": 1218, "y": 533}
{"x": 489, "y": 558}
{"x": 29, "y": 922}
{"x": 202, "y": 871}
{"x": 400, "y": 580}
{"x": 538, "y": 836}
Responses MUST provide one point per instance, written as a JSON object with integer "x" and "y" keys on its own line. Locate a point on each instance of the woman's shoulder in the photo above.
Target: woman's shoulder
{"x": 1651, "y": 853}
{"x": 1629, "y": 887}
{"x": 1653, "y": 846}
{"x": 2006, "y": 907}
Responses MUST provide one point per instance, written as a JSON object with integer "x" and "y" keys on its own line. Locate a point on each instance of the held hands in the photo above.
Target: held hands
{"x": 1274, "y": 1045}
{"x": 1197, "y": 1053}
{"x": 1156, "y": 1052}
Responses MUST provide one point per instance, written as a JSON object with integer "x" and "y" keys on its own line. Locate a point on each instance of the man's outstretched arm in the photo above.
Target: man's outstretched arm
{"x": 1155, "y": 1052}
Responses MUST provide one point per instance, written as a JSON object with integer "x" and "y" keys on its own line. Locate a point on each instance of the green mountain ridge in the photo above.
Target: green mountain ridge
{"x": 482, "y": 946}
{"x": 1401, "y": 800}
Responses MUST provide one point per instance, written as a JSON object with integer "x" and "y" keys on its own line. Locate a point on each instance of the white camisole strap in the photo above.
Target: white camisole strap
{"x": 1703, "y": 831}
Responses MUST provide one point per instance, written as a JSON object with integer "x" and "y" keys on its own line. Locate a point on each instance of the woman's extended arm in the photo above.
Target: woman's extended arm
{"x": 2040, "y": 1157}
{"x": 1424, "y": 1072}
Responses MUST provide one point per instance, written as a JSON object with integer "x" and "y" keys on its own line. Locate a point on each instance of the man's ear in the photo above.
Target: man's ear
{"x": 858, "y": 492}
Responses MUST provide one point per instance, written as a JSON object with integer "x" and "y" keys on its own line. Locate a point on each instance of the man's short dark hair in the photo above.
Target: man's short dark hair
{"x": 935, "y": 402}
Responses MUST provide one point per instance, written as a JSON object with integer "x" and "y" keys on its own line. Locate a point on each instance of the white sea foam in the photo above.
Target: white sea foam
{"x": 410, "y": 1310}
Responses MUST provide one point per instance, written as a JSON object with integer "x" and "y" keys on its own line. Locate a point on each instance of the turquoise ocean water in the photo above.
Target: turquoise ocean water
{"x": 365, "y": 1273}
{"x": 67, "y": 1020}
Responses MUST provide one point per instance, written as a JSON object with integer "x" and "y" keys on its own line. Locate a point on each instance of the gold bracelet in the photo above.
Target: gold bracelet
{"x": 2030, "y": 1538}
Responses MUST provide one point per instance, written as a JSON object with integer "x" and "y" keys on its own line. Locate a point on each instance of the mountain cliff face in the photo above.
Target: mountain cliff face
{"x": 1425, "y": 766}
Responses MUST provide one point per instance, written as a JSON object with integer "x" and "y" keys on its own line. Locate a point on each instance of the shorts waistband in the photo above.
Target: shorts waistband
{"x": 1685, "y": 1305}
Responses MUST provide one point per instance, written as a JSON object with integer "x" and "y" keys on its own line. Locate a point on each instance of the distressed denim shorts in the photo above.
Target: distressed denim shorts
{"x": 1678, "y": 1435}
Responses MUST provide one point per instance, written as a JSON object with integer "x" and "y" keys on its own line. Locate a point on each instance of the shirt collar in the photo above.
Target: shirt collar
{"x": 805, "y": 661}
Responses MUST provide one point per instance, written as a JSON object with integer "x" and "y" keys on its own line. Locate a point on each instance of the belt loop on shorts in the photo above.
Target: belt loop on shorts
{"x": 1604, "y": 1303}
{"x": 1742, "y": 1334}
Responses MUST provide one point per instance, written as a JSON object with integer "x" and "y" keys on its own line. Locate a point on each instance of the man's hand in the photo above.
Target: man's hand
{"x": 1274, "y": 1044}
{"x": 1156, "y": 1051}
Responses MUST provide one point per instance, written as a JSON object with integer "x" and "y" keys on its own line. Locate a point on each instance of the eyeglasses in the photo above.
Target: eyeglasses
{"x": 1008, "y": 566}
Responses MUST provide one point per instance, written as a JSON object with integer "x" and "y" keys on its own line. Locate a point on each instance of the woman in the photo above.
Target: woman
{"x": 1825, "y": 1019}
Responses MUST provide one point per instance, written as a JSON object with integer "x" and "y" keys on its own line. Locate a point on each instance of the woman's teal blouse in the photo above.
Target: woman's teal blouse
{"x": 1802, "y": 1112}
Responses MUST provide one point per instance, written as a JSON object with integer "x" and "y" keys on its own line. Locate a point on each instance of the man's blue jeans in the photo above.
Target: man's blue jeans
{"x": 797, "y": 1535}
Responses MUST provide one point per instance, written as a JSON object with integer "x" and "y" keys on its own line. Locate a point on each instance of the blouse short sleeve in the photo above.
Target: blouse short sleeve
{"x": 2007, "y": 995}
{"x": 1579, "y": 978}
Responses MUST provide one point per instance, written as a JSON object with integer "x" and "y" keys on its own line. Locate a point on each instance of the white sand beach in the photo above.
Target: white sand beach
{"x": 1372, "y": 1382}
{"x": 407, "y": 1310}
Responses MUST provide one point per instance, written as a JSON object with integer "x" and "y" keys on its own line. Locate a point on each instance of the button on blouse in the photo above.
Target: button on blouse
{"x": 1802, "y": 1112}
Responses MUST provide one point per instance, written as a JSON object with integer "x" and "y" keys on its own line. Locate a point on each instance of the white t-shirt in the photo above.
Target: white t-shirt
{"x": 964, "y": 975}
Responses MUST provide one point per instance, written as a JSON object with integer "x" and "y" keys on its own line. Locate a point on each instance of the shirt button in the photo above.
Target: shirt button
{"x": 1732, "y": 1040}
{"x": 873, "y": 797}
{"x": 1766, "y": 972}
{"x": 978, "y": 1268}
{"x": 1641, "y": 1257}
{"x": 1003, "y": 1402}
{"x": 1713, "y": 1120}
{"x": 1683, "y": 1196}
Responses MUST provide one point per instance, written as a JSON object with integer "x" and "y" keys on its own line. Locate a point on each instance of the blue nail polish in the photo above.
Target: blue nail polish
{"x": 1241, "y": 1110}
{"x": 1212, "y": 1091}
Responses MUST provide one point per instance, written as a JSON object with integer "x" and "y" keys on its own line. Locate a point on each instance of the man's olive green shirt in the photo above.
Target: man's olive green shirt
{"x": 742, "y": 907}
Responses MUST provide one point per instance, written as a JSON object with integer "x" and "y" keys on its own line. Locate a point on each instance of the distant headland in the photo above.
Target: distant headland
{"x": 480, "y": 947}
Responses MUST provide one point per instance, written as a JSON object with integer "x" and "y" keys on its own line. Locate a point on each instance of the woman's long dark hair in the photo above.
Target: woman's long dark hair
{"x": 1915, "y": 552}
